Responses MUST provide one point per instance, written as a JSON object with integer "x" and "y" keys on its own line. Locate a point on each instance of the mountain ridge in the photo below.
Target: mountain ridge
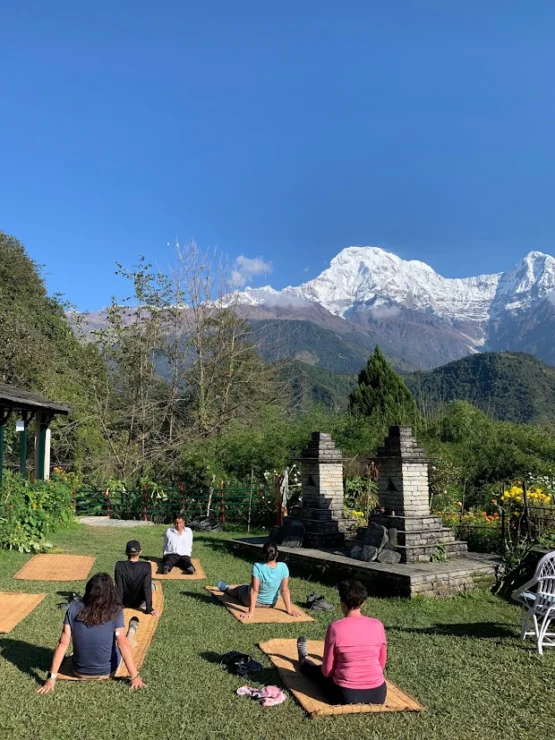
{"x": 370, "y": 296}
{"x": 377, "y": 291}
{"x": 338, "y": 289}
{"x": 509, "y": 386}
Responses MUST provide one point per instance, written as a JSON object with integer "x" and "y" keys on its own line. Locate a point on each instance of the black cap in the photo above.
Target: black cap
{"x": 133, "y": 547}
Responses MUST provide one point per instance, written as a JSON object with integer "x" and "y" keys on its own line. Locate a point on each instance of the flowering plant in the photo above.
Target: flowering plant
{"x": 480, "y": 529}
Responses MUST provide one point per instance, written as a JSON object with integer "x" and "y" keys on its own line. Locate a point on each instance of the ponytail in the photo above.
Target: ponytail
{"x": 269, "y": 552}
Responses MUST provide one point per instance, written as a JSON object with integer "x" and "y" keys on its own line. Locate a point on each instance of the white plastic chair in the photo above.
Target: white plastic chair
{"x": 537, "y": 607}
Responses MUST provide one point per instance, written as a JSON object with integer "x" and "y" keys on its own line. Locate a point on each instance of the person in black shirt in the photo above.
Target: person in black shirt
{"x": 133, "y": 578}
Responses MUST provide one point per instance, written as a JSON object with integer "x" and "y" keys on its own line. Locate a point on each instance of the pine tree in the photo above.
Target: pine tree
{"x": 382, "y": 395}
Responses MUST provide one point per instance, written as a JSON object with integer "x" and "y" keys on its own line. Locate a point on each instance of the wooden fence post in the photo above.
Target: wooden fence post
{"x": 222, "y": 504}
{"x": 503, "y": 518}
{"x": 277, "y": 485}
{"x": 526, "y": 510}
{"x": 250, "y": 503}
{"x": 210, "y": 496}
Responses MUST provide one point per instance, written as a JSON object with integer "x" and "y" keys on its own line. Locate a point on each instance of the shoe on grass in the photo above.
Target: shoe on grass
{"x": 319, "y": 604}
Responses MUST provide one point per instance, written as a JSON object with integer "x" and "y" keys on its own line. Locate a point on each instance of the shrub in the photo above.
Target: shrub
{"x": 361, "y": 495}
{"x": 482, "y": 531}
{"x": 30, "y": 510}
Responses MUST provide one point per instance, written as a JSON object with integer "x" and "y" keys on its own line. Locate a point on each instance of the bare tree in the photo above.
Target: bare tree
{"x": 214, "y": 348}
{"x": 183, "y": 363}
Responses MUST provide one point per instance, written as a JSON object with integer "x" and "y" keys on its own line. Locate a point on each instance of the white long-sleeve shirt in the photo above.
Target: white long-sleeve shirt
{"x": 178, "y": 544}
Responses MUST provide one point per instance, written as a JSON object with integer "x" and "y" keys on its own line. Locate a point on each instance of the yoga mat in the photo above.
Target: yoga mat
{"x": 143, "y": 638}
{"x": 275, "y": 615}
{"x": 176, "y": 574}
{"x": 56, "y": 568}
{"x": 15, "y": 607}
{"x": 283, "y": 654}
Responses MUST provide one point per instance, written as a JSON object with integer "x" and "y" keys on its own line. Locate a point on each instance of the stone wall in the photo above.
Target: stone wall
{"x": 406, "y": 581}
{"x": 321, "y": 511}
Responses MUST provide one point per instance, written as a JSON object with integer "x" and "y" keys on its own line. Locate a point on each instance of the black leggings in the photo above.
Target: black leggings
{"x": 339, "y": 694}
{"x": 183, "y": 561}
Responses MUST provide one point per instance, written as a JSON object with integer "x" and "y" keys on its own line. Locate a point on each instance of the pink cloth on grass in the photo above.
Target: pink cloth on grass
{"x": 355, "y": 652}
{"x": 269, "y": 696}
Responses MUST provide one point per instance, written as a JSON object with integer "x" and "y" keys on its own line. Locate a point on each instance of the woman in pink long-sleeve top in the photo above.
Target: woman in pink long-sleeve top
{"x": 355, "y": 653}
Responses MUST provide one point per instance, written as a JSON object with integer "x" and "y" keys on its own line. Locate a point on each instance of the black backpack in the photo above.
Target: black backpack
{"x": 239, "y": 663}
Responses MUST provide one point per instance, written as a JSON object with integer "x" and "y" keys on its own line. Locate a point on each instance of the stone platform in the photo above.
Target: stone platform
{"x": 419, "y": 538}
{"x": 406, "y": 580}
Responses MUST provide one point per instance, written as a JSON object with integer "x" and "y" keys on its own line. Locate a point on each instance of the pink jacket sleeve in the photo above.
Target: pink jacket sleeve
{"x": 383, "y": 652}
{"x": 329, "y": 652}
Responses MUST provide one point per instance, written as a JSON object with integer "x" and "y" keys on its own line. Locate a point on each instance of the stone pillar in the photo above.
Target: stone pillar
{"x": 403, "y": 483}
{"x": 404, "y": 498}
{"x": 321, "y": 512}
{"x": 322, "y": 475}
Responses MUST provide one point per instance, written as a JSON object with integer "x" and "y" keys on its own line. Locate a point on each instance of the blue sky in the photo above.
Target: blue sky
{"x": 278, "y": 131}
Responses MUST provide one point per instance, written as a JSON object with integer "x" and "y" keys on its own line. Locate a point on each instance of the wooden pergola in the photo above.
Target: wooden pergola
{"x": 29, "y": 406}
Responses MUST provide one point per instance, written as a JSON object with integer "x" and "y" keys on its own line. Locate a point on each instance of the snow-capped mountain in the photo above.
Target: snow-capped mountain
{"x": 421, "y": 315}
{"x": 421, "y": 319}
{"x": 372, "y": 277}
{"x": 526, "y": 285}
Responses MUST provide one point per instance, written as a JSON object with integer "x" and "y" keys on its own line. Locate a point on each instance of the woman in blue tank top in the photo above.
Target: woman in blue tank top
{"x": 269, "y": 578}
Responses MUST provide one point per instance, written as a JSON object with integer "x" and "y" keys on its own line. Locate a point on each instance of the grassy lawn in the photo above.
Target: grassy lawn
{"x": 461, "y": 658}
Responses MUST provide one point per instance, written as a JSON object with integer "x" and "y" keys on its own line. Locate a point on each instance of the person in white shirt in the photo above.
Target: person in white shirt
{"x": 178, "y": 545}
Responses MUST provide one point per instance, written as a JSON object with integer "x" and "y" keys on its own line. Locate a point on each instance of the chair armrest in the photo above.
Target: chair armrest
{"x": 523, "y": 588}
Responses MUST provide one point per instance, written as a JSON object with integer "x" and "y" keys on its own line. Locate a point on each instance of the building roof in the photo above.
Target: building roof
{"x": 16, "y": 399}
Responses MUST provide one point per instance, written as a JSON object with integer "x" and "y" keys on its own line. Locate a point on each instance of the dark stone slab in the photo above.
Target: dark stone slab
{"x": 290, "y": 534}
{"x": 328, "y": 539}
{"x": 376, "y": 535}
{"x": 389, "y": 556}
{"x": 369, "y": 553}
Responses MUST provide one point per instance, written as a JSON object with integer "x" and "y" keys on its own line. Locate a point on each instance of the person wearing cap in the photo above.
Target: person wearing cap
{"x": 177, "y": 548}
{"x": 133, "y": 578}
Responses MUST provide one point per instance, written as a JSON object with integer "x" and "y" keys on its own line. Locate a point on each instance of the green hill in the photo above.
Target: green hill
{"x": 509, "y": 386}
{"x": 311, "y": 344}
{"x": 308, "y": 385}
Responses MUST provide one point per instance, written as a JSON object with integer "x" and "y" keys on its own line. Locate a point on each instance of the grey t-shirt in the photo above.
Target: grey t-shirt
{"x": 95, "y": 652}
